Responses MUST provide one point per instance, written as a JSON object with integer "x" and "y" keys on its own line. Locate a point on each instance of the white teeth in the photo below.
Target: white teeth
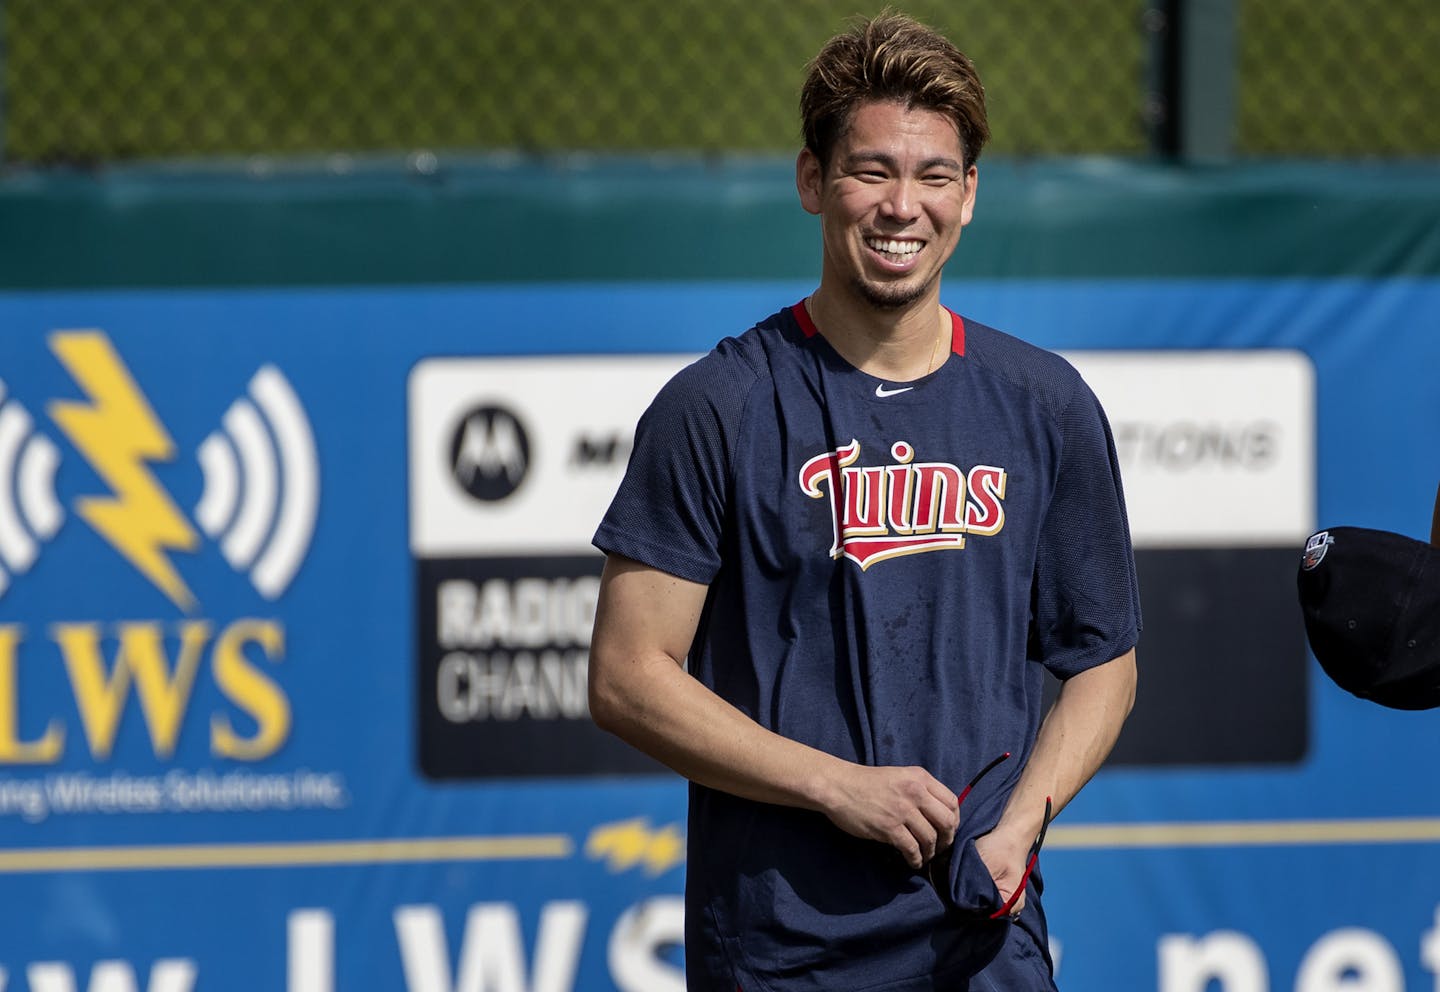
{"x": 893, "y": 247}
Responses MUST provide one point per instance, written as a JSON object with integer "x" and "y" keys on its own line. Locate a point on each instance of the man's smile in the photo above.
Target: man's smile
{"x": 895, "y": 250}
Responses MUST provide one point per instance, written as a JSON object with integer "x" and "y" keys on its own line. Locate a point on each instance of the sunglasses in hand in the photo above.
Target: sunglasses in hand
{"x": 939, "y": 866}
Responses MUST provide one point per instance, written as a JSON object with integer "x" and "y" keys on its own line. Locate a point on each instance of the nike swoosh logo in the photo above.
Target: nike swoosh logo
{"x": 881, "y": 391}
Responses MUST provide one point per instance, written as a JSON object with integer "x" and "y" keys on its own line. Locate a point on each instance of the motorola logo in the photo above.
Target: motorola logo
{"x": 489, "y": 453}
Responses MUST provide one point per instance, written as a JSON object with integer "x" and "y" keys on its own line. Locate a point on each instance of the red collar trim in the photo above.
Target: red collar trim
{"x": 957, "y": 323}
{"x": 957, "y": 334}
{"x": 802, "y": 317}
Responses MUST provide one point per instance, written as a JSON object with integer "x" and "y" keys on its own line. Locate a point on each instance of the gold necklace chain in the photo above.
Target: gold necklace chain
{"x": 934, "y": 346}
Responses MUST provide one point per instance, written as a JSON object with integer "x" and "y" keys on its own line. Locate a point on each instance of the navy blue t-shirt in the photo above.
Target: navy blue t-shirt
{"x": 891, "y": 567}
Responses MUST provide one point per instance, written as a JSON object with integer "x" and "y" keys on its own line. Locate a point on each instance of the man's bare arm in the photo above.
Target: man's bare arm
{"x": 639, "y": 690}
{"x": 1075, "y": 738}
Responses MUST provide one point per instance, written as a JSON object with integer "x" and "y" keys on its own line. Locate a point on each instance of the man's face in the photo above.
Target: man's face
{"x": 891, "y": 204}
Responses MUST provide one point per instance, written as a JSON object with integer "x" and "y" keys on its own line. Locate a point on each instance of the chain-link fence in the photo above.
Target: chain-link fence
{"x": 1338, "y": 77}
{"x": 88, "y": 81}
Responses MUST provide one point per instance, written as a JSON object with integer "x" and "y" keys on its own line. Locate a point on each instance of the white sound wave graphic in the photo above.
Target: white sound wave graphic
{"x": 261, "y": 507}
{"x": 30, "y": 513}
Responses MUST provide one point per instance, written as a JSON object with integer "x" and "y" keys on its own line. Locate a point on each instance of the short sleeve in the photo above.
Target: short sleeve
{"x": 1086, "y": 599}
{"x": 670, "y": 509}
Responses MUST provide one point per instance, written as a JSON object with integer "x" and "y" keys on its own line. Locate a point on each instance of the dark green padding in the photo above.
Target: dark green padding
{"x": 642, "y": 220}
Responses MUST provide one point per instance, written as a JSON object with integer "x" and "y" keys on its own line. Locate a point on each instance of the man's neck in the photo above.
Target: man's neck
{"x": 899, "y": 345}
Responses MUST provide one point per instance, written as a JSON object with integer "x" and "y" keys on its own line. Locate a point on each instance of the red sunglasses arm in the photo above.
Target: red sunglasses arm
{"x": 1030, "y": 864}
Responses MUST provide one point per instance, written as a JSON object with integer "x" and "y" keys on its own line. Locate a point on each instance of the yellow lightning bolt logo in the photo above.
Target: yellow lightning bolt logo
{"x": 118, "y": 433}
{"x": 629, "y": 843}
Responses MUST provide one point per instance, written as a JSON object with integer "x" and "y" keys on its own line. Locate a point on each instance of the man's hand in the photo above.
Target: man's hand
{"x": 907, "y": 808}
{"x": 1005, "y": 852}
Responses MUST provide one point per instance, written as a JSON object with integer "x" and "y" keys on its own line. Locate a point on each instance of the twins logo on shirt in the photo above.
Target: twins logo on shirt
{"x": 886, "y": 511}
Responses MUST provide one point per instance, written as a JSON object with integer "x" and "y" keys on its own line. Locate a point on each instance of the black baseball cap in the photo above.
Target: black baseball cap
{"x": 1371, "y": 601}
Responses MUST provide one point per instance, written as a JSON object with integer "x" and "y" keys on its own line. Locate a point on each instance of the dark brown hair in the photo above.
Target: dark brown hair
{"x": 890, "y": 57}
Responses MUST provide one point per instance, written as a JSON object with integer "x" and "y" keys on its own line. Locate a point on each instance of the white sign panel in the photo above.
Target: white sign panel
{"x": 1215, "y": 447}
{"x": 521, "y": 455}
{"x": 524, "y": 455}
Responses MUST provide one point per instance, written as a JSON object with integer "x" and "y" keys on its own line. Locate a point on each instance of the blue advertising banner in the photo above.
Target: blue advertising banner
{"x": 295, "y": 602}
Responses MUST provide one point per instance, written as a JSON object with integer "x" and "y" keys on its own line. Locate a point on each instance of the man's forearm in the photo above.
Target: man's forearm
{"x": 681, "y": 723}
{"x": 645, "y": 622}
{"x": 1074, "y": 741}
{"x": 661, "y": 710}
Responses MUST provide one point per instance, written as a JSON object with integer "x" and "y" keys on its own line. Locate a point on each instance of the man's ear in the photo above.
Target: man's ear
{"x": 809, "y": 178}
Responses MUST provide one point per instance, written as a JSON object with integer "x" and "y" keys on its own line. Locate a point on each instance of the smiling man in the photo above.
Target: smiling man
{"x": 849, "y": 544}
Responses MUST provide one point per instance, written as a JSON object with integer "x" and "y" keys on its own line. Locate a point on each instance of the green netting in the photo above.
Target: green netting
{"x": 101, "y": 80}
{"x": 1339, "y": 78}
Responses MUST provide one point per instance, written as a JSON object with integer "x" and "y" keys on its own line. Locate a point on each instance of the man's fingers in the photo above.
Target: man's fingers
{"x": 910, "y": 848}
{"x": 945, "y": 817}
{"x": 934, "y": 818}
{"x": 923, "y": 835}
{"x": 938, "y": 789}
